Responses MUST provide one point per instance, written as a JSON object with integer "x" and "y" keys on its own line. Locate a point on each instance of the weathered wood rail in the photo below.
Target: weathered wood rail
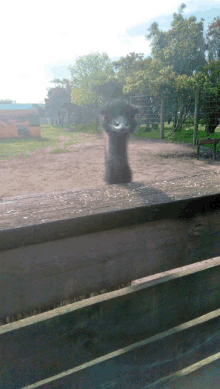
{"x": 207, "y": 141}
{"x": 163, "y": 331}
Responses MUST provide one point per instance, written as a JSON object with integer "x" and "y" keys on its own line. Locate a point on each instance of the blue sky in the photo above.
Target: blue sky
{"x": 39, "y": 40}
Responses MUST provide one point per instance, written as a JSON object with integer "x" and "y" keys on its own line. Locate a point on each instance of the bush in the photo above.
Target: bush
{"x": 89, "y": 128}
{"x": 188, "y": 123}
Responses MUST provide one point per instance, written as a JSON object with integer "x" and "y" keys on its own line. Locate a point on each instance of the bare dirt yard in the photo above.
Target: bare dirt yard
{"x": 71, "y": 183}
{"x": 152, "y": 161}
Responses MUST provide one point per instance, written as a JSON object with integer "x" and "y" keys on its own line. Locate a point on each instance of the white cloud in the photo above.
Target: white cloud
{"x": 34, "y": 34}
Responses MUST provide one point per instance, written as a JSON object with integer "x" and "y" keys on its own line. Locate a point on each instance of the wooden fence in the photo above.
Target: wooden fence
{"x": 163, "y": 331}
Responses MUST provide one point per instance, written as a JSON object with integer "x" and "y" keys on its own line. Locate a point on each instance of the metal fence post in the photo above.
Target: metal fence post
{"x": 196, "y": 116}
{"x": 162, "y": 118}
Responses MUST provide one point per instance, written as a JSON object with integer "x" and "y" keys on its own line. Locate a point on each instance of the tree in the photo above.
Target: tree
{"x": 125, "y": 66}
{"x": 182, "y": 47}
{"x": 90, "y": 70}
{"x": 208, "y": 83}
{"x": 108, "y": 91}
{"x": 213, "y": 40}
{"x": 210, "y": 99}
{"x": 41, "y": 109}
{"x": 176, "y": 52}
{"x": 58, "y": 103}
{"x": 152, "y": 80}
{"x": 208, "y": 79}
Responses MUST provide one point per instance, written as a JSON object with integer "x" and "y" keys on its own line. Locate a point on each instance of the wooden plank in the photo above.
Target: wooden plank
{"x": 139, "y": 367}
{"x": 203, "y": 375}
{"x": 28, "y": 210}
{"x": 48, "y": 344}
{"x": 61, "y": 229}
{"x": 36, "y": 276}
{"x": 207, "y": 141}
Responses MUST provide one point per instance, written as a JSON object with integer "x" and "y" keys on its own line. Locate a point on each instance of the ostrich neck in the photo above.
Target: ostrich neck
{"x": 118, "y": 147}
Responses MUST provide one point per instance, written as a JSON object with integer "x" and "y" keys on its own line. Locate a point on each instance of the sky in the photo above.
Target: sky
{"x": 39, "y": 40}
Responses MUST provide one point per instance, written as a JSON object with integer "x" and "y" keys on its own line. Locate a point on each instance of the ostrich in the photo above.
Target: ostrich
{"x": 118, "y": 121}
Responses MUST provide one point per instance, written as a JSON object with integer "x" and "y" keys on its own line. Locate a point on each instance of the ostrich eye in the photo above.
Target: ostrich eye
{"x": 120, "y": 120}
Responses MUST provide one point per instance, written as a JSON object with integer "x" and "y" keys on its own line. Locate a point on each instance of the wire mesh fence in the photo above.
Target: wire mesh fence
{"x": 195, "y": 111}
{"x": 182, "y": 110}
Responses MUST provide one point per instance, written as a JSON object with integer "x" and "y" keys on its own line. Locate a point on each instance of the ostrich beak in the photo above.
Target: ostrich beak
{"x": 119, "y": 123}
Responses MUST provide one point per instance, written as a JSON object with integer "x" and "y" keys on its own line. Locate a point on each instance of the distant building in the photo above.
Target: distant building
{"x": 17, "y": 120}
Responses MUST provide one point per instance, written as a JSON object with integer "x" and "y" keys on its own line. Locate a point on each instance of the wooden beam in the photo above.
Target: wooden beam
{"x": 43, "y": 346}
{"x": 139, "y": 368}
{"x": 39, "y": 275}
{"x": 37, "y": 229}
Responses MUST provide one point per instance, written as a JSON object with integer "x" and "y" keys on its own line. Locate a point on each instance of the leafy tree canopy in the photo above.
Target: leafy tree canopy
{"x": 213, "y": 40}
{"x": 128, "y": 65}
{"x": 182, "y": 46}
{"x": 91, "y": 69}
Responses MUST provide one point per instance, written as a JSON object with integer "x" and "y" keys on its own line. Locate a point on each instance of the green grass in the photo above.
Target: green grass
{"x": 184, "y": 136}
{"x": 89, "y": 128}
{"x": 49, "y": 138}
{"x": 59, "y": 150}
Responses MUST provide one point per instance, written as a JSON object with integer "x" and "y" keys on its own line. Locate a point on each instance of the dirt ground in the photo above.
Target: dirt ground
{"x": 152, "y": 161}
